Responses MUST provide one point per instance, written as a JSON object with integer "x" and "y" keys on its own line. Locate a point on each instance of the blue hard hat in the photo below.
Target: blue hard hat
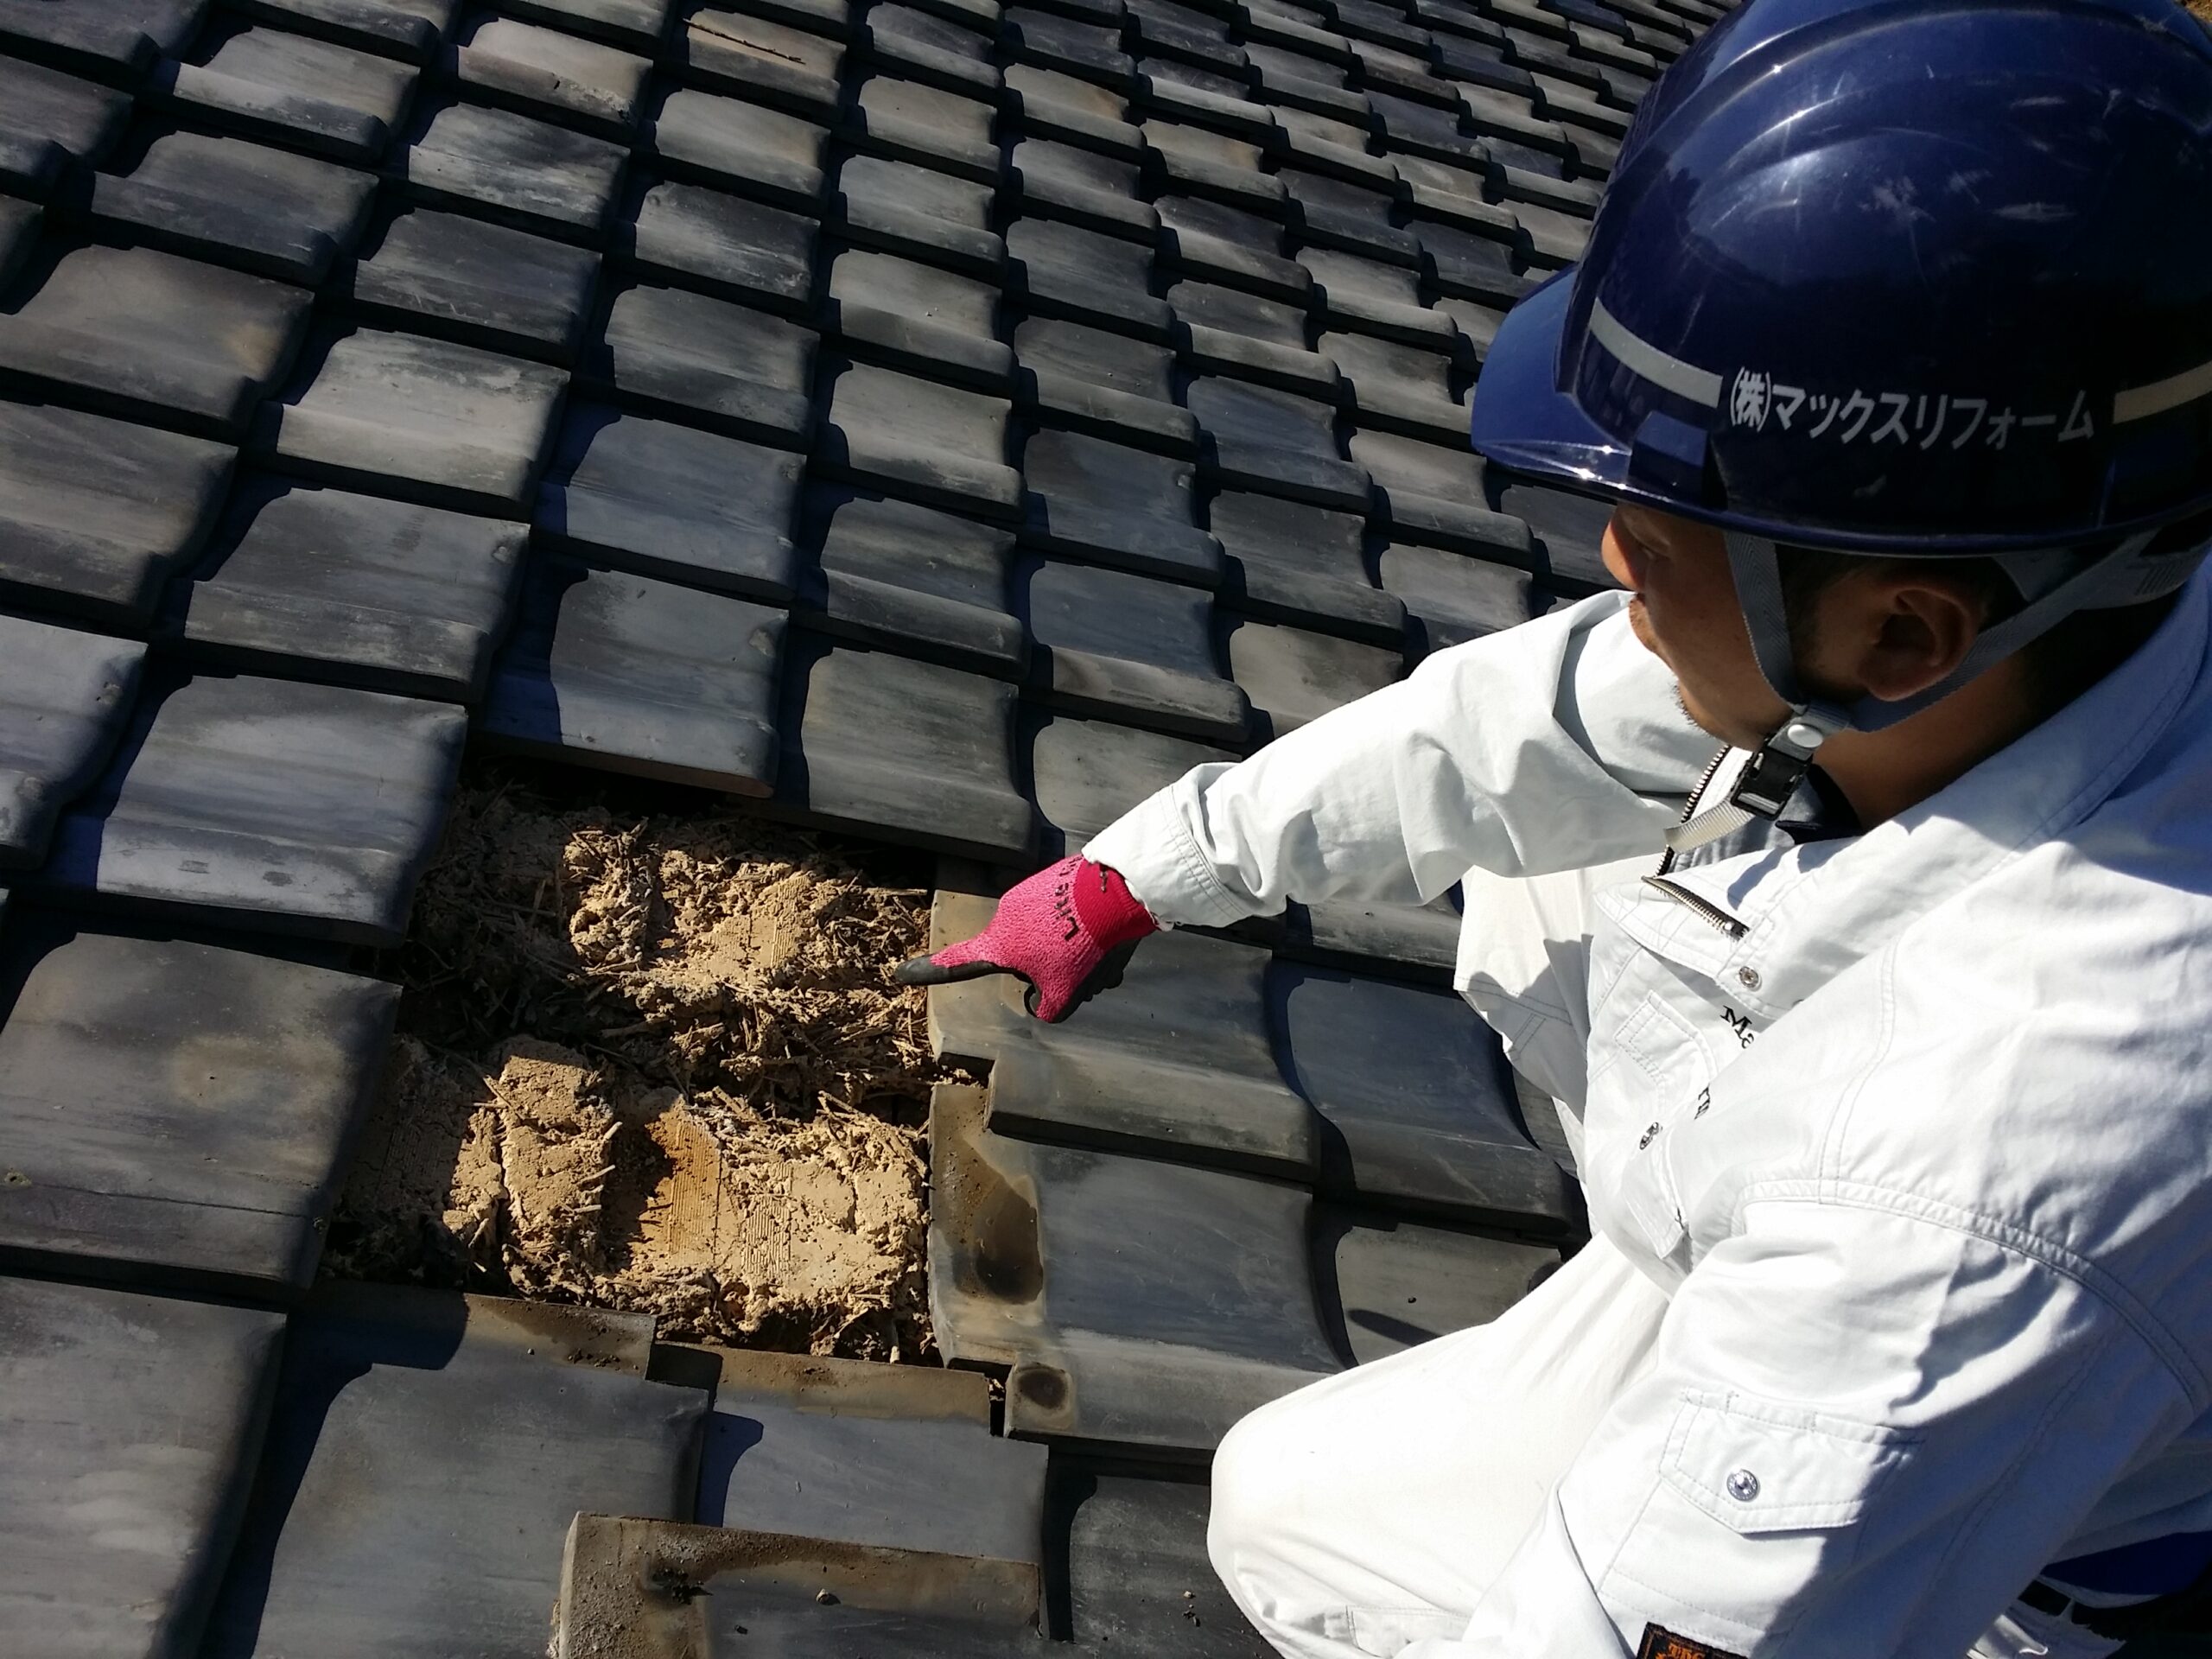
{"x": 1898, "y": 276}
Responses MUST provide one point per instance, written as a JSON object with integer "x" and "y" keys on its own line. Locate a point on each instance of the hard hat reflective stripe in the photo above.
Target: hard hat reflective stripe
{"x": 2140, "y": 402}
{"x": 1683, "y": 379}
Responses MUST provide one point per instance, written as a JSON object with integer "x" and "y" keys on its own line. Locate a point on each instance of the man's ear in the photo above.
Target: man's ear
{"x": 1911, "y": 629}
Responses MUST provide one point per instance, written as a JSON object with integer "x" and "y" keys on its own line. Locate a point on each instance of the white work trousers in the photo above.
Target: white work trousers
{"x": 1372, "y": 1511}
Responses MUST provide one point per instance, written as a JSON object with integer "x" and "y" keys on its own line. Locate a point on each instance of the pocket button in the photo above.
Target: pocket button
{"x": 1742, "y": 1486}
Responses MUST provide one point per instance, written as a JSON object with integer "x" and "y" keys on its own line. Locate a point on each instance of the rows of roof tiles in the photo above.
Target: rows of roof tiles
{"x": 940, "y": 420}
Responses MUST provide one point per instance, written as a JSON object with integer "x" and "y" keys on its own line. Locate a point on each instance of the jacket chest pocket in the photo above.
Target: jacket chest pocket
{"x": 1657, "y": 1079}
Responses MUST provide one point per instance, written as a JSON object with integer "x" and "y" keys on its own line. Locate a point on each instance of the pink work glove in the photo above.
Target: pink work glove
{"x": 1054, "y": 930}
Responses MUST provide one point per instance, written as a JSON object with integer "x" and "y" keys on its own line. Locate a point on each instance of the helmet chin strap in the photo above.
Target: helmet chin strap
{"x": 2126, "y": 574}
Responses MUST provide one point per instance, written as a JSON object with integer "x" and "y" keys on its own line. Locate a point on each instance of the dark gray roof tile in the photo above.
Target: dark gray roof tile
{"x": 96, "y": 514}
{"x": 179, "y": 1112}
{"x": 1384, "y": 25}
{"x": 1218, "y": 243}
{"x": 1303, "y": 564}
{"x": 1191, "y": 161}
{"x": 938, "y": 444}
{"x": 269, "y": 805}
{"x": 1178, "y": 1299}
{"x": 320, "y": 584}
{"x": 1106, "y": 385}
{"x": 1061, "y": 270}
{"x": 544, "y": 72}
{"x": 923, "y": 583}
{"x": 1478, "y": 322}
{"x": 1088, "y": 51}
{"x": 1569, "y": 528}
{"x": 49, "y": 120}
{"x": 1219, "y": 102}
{"x": 65, "y": 698}
{"x": 120, "y": 1404}
{"x": 833, "y": 18}
{"x": 515, "y": 170}
{"x": 805, "y": 1600}
{"x": 1255, "y": 437}
{"x": 399, "y": 28}
{"x": 1138, "y": 1581}
{"x": 115, "y": 40}
{"x": 1451, "y": 597}
{"x": 306, "y": 94}
{"x": 449, "y": 425}
{"x": 1116, "y": 506}
{"x": 1455, "y": 20}
{"x": 1407, "y": 942}
{"x": 1433, "y": 493}
{"x": 1049, "y": 105}
{"x": 917, "y": 318}
{"x": 1419, "y": 1097}
{"x": 1486, "y": 265}
{"x": 425, "y": 1457}
{"x": 1609, "y": 48}
{"x": 920, "y": 212}
{"x": 735, "y": 144}
{"x": 235, "y": 203}
{"x": 1085, "y": 774}
{"x": 1185, "y": 32}
{"x": 1223, "y": 331}
{"x": 723, "y": 245}
{"x": 624, "y": 673}
{"x": 1359, "y": 216}
{"x": 145, "y": 334}
{"x": 912, "y": 41}
{"x": 1406, "y": 76}
{"x": 1483, "y": 63}
{"x": 1509, "y": 115}
{"x": 21, "y": 224}
{"x": 909, "y": 120}
{"x": 1404, "y": 387}
{"x": 1394, "y": 1284}
{"x": 1100, "y": 193}
{"x": 670, "y": 501}
{"x": 1293, "y": 676}
{"x": 726, "y": 50}
{"x": 1570, "y": 199}
{"x": 861, "y": 1453}
{"x": 1177, "y": 1062}
{"x": 482, "y": 284}
{"x": 1286, "y": 32}
{"x": 1128, "y": 648}
{"x": 1368, "y": 296}
{"x": 635, "y": 25}
{"x": 706, "y": 362}
{"x": 874, "y": 742}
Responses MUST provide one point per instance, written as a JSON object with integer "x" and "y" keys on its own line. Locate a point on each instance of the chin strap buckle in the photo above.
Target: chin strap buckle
{"x": 1769, "y": 779}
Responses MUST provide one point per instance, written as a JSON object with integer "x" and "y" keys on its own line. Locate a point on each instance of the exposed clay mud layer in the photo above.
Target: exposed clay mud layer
{"x": 656, "y": 1063}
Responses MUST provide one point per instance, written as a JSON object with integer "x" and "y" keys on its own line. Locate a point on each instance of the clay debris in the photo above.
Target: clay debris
{"x": 656, "y": 1065}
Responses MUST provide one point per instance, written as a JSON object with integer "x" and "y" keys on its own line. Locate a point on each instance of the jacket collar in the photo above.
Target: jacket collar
{"x": 1808, "y": 912}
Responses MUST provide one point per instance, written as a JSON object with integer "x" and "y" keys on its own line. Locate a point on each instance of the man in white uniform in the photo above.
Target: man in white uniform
{"x": 1883, "y": 1042}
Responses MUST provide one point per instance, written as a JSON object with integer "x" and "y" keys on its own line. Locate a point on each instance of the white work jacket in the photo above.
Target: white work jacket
{"x": 1911, "y": 1125}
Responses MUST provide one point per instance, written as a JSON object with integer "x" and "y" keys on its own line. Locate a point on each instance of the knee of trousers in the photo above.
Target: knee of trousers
{"x": 1257, "y": 1476}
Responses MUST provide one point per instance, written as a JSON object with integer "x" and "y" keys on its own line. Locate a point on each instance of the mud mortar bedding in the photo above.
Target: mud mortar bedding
{"x": 655, "y": 1063}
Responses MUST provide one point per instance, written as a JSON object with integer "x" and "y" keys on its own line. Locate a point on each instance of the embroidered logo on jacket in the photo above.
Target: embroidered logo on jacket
{"x": 1665, "y": 1645}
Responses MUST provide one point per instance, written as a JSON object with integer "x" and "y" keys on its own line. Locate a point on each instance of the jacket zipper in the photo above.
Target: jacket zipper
{"x": 1690, "y": 806}
{"x": 1708, "y": 913}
